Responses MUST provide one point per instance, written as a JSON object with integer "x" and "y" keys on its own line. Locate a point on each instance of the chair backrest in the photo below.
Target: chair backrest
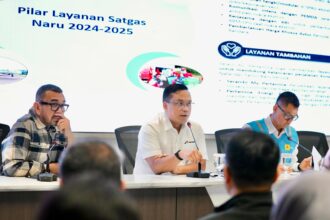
{"x": 309, "y": 139}
{"x": 127, "y": 139}
{"x": 222, "y": 137}
{"x": 4, "y": 130}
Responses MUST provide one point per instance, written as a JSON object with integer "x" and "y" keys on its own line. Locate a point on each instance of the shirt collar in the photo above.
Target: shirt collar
{"x": 271, "y": 127}
{"x": 39, "y": 124}
{"x": 168, "y": 124}
{"x": 245, "y": 198}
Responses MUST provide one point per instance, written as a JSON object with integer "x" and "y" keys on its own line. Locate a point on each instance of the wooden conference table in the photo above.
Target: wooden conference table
{"x": 157, "y": 197}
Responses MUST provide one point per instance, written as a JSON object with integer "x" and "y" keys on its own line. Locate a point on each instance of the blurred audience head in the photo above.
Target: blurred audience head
{"x": 91, "y": 156}
{"x": 304, "y": 198}
{"x": 251, "y": 162}
{"x": 89, "y": 196}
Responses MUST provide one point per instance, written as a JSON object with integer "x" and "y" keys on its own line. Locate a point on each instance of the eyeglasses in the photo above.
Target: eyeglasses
{"x": 181, "y": 104}
{"x": 288, "y": 116}
{"x": 55, "y": 106}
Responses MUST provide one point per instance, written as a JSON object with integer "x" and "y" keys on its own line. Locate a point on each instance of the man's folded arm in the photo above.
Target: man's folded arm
{"x": 170, "y": 163}
{"x": 21, "y": 168}
{"x": 162, "y": 164}
{"x": 14, "y": 154}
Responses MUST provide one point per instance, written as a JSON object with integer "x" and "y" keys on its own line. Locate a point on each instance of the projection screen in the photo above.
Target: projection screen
{"x": 113, "y": 58}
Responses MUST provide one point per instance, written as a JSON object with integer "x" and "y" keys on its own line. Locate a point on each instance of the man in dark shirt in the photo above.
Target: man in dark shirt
{"x": 251, "y": 168}
{"x": 90, "y": 195}
{"x": 88, "y": 156}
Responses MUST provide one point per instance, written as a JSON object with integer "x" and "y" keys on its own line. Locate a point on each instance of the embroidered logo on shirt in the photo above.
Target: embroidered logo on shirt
{"x": 189, "y": 142}
{"x": 287, "y": 147}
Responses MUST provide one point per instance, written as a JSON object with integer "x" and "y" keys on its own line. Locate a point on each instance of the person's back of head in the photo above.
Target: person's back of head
{"x": 89, "y": 196}
{"x": 304, "y": 198}
{"x": 90, "y": 156}
{"x": 252, "y": 159}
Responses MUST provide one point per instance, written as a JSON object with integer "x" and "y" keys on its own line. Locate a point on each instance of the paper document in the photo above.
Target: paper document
{"x": 316, "y": 158}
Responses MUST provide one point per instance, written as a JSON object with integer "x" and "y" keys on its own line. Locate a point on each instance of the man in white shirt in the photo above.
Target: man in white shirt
{"x": 167, "y": 143}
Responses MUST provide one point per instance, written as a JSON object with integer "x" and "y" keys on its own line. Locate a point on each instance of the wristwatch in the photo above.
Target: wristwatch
{"x": 177, "y": 155}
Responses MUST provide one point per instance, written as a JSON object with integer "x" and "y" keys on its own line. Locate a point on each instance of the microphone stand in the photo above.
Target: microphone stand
{"x": 302, "y": 147}
{"x": 47, "y": 176}
{"x": 199, "y": 173}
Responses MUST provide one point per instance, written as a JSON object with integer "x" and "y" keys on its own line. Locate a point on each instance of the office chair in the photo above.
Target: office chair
{"x": 222, "y": 137}
{"x": 4, "y": 130}
{"x": 309, "y": 139}
{"x": 127, "y": 139}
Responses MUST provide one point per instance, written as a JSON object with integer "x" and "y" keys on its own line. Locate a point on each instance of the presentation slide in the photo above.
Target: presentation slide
{"x": 113, "y": 58}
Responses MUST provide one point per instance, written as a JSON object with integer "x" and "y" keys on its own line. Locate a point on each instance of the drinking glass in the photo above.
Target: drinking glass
{"x": 287, "y": 162}
{"x": 219, "y": 162}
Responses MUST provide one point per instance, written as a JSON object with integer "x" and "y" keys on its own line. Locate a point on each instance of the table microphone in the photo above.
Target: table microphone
{"x": 199, "y": 173}
{"x": 300, "y": 145}
{"x": 47, "y": 176}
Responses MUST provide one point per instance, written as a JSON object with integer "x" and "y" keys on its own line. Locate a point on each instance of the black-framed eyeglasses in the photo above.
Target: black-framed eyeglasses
{"x": 286, "y": 115}
{"x": 55, "y": 106}
{"x": 181, "y": 104}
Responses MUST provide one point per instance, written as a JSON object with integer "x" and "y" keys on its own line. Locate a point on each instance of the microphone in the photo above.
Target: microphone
{"x": 300, "y": 145}
{"x": 199, "y": 173}
{"x": 47, "y": 176}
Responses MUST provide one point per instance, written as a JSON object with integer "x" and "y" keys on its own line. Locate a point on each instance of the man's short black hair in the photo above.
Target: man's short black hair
{"x": 88, "y": 196}
{"x": 288, "y": 98}
{"x": 90, "y": 156}
{"x": 48, "y": 87}
{"x": 173, "y": 88}
{"x": 252, "y": 158}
